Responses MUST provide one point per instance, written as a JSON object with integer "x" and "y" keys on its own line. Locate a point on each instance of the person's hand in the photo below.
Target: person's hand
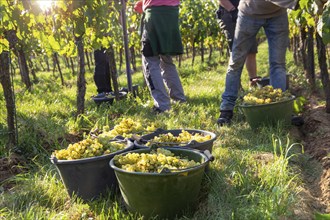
{"x": 234, "y": 14}
{"x": 138, "y": 7}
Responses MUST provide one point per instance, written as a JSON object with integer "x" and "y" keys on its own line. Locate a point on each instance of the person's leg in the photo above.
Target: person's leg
{"x": 227, "y": 25}
{"x": 171, "y": 78}
{"x": 107, "y": 75}
{"x": 251, "y": 65}
{"x": 277, "y": 33}
{"x": 102, "y": 82}
{"x": 155, "y": 82}
{"x": 246, "y": 30}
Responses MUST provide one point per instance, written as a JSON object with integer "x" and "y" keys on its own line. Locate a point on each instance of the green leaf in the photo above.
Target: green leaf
{"x": 298, "y": 104}
{"x": 319, "y": 216}
{"x": 16, "y": 14}
{"x": 4, "y": 45}
{"x": 326, "y": 24}
{"x": 79, "y": 29}
{"x": 53, "y": 43}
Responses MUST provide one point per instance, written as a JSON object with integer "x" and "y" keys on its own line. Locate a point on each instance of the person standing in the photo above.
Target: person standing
{"x": 161, "y": 39}
{"x": 227, "y": 17}
{"x": 102, "y": 74}
{"x": 254, "y": 14}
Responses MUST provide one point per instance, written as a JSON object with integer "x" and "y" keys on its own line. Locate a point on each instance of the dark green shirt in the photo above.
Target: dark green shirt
{"x": 162, "y": 27}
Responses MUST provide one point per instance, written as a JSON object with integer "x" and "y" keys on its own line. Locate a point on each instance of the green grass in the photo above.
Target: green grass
{"x": 250, "y": 178}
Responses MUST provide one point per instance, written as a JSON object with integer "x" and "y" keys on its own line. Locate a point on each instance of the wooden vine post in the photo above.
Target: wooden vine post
{"x": 127, "y": 57}
{"x": 9, "y": 97}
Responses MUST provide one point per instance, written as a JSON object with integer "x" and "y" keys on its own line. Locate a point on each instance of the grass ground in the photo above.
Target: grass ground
{"x": 252, "y": 176}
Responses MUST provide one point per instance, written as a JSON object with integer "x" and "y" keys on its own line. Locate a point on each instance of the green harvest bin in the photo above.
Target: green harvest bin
{"x": 165, "y": 195}
{"x": 206, "y": 145}
{"x": 122, "y": 95}
{"x": 269, "y": 114}
{"x": 88, "y": 178}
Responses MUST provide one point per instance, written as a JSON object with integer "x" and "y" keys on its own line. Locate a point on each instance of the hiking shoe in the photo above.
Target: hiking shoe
{"x": 254, "y": 81}
{"x": 157, "y": 110}
{"x": 100, "y": 95}
{"x": 180, "y": 101}
{"x": 103, "y": 96}
{"x": 225, "y": 117}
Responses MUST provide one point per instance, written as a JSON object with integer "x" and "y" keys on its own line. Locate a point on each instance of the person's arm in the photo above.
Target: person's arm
{"x": 227, "y": 5}
{"x": 138, "y": 7}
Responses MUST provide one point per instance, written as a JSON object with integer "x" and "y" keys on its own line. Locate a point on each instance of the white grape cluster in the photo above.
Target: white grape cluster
{"x": 125, "y": 128}
{"x": 87, "y": 148}
{"x": 184, "y": 137}
{"x": 104, "y": 142}
{"x": 265, "y": 95}
{"x": 153, "y": 162}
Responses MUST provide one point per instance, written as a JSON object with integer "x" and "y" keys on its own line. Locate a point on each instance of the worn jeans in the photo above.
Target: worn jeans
{"x": 161, "y": 74}
{"x": 247, "y": 27}
{"x": 227, "y": 26}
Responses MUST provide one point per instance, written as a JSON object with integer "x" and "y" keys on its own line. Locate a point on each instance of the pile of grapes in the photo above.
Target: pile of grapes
{"x": 103, "y": 143}
{"x": 87, "y": 148}
{"x": 153, "y": 162}
{"x": 183, "y": 138}
{"x": 125, "y": 128}
{"x": 266, "y": 95}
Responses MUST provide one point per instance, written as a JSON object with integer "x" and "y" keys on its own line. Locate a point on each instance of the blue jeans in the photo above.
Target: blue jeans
{"x": 247, "y": 27}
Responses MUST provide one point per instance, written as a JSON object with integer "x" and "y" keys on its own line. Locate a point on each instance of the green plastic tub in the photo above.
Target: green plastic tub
{"x": 269, "y": 114}
{"x": 88, "y": 178}
{"x": 206, "y": 145}
{"x": 165, "y": 195}
{"x": 109, "y": 100}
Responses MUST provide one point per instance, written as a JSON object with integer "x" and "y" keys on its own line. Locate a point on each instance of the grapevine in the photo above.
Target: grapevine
{"x": 153, "y": 162}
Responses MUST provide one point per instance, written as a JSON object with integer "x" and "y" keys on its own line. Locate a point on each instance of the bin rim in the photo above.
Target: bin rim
{"x": 162, "y": 131}
{"x": 130, "y": 145}
{"x": 206, "y": 158}
{"x": 268, "y": 104}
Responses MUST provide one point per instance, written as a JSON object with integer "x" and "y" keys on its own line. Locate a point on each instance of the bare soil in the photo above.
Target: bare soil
{"x": 315, "y": 134}
{"x": 10, "y": 166}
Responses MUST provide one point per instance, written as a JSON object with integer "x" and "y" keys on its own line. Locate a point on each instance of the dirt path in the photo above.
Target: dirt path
{"x": 315, "y": 136}
{"x": 316, "y": 133}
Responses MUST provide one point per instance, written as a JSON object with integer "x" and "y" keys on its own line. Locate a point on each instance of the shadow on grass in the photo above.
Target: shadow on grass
{"x": 205, "y": 100}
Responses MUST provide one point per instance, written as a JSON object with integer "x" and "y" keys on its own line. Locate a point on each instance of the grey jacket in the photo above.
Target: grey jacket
{"x": 266, "y": 8}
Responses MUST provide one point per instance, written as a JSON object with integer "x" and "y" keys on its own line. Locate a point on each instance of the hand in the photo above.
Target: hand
{"x": 138, "y": 7}
{"x": 218, "y": 14}
{"x": 234, "y": 14}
